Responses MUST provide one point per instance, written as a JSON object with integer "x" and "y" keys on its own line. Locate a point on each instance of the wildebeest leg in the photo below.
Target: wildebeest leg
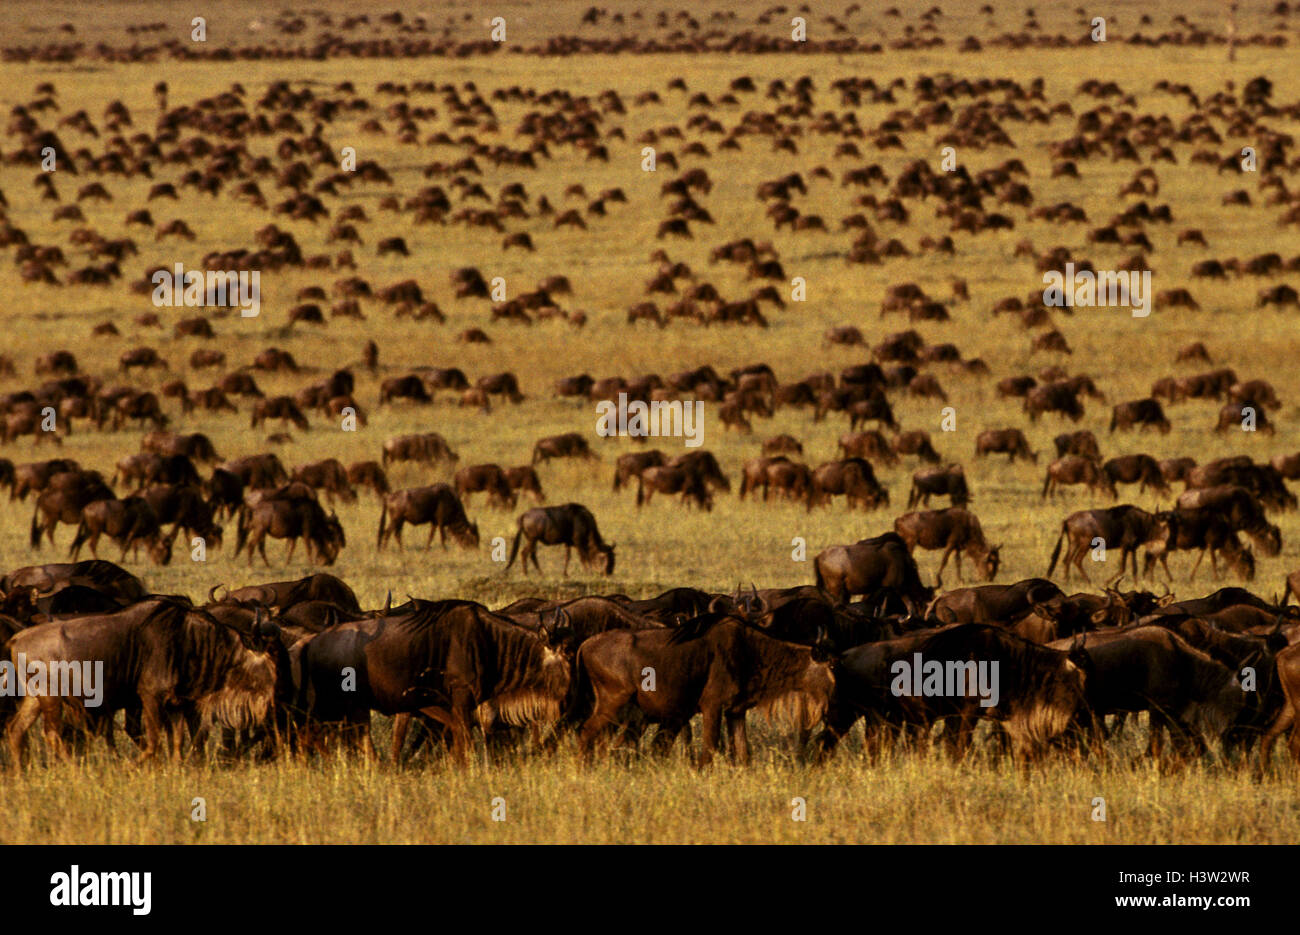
{"x": 712, "y": 734}
{"x": 567, "y": 554}
{"x": 532, "y": 553}
{"x": 1198, "y": 564}
{"x": 604, "y": 716}
{"x": 1285, "y": 719}
{"x": 739, "y": 738}
{"x": 151, "y": 709}
{"x": 442, "y": 536}
{"x": 293, "y": 544}
{"x": 16, "y": 732}
{"x": 401, "y": 722}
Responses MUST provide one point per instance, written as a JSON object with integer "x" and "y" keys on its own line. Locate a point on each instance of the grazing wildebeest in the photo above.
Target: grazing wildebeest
{"x": 328, "y": 475}
{"x": 705, "y": 466}
{"x": 716, "y": 665}
{"x": 669, "y": 480}
{"x": 1136, "y": 469}
{"x": 368, "y": 474}
{"x": 525, "y": 478}
{"x": 1203, "y": 531}
{"x": 1011, "y": 442}
{"x": 502, "y": 384}
{"x": 1142, "y": 413}
{"x": 429, "y": 447}
{"x": 949, "y": 481}
{"x": 282, "y": 595}
{"x": 852, "y": 477}
{"x": 1039, "y": 691}
{"x": 630, "y": 465}
{"x": 436, "y": 504}
{"x": 1242, "y": 511}
{"x": 1082, "y": 443}
{"x": 486, "y": 477}
{"x": 916, "y": 443}
{"x": 570, "y": 525}
{"x": 130, "y": 523}
{"x": 256, "y": 471}
{"x": 954, "y": 530}
{"x": 1074, "y": 469}
{"x": 183, "y": 506}
{"x": 283, "y": 408}
{"x": 1124, "y": 527}
{"x": 568, "y": 445}
{"x": 875, "y": 407}
{"x": 871, "y": 445}
{"x": 157, "y": 656}
{"x": 1061, "y": 398}
{"x": 408, "y": 387}
{"x": 994, "y": 603}
{"x": 291, "y": 518}
{"x": 65, "y": 495}
{"x": 869, "y": 567}
{"x": 1238, "y": 415}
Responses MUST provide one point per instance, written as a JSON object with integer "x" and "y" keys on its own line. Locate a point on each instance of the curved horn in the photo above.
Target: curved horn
{"x": 388, "y": 603}
{"x": 268, "y": 601}
{"x": 759, "y": 606}
{"x": 715, "y": 605}
{"x": 212, "y": 591}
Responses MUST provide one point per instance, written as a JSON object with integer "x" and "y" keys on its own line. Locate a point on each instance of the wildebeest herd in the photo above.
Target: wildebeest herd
{"x": 500, "y": 193}
{"x": 294, "y": 666}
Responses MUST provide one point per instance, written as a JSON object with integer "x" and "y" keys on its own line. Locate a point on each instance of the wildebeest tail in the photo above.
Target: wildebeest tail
{"x": 241, "y": 528}
{"x": 1056, "y": 552}
{"x": 581, "y": 698}
{"x": 514, "y": 549}
{"x": 640, "y": 491}
{"x": 83, "y": 533}
{"x": 36, "y": 527}
{"x": 383, "y": 519}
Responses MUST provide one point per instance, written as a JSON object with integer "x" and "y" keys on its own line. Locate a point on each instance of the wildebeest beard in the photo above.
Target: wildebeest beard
{"x": 244, "y": 700}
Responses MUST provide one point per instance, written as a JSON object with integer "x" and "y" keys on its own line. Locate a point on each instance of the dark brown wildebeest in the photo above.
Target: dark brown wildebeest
{"x": 502, "y": 384}
{"x": 948, "y": 481}
{"x": 1124, "y": 527}
{"x": 257, "y": 471}
{"x": 1176, "y": 469}
{"x": 1237, "y": 415}
{"x": 1287, "y": 465}
{"x": 716, "y": 665}
{"x": 525, "y": 478}
{"x": 994, "y": 603}
{"x": 65, "y": 495}
{"x": 1011, "y": 442}
{"x": 1074, "y": 469}
{"x": 282, "y": 595}
{"x": 1240, "y": 509}
{"x": 149, "y": 468}
{"x": 446, "y": 660}
{"x": 408, "y": 387}
{"x": 1143, "y": 413}
{"x": 782, "y": 444}
{"x": 853, "y": 477}
{"x": 705, "y": 466}
{"x": 155, "y": 655}
{"x": 954, "y": 530}
{"x": 196, "y": 446}
{"x": 278, "y": 407}
{"x": 874, "y": 407}
{"x": 1259, "y": 392}
{"x": 630, "y": 465}
{"x": 1136, "y": 469}
{"x": 1061, "y": 398}
{"x": 368, "y": 474}
{"x": 917, "y": 443}
{"x": 1153, "y": 669}
{"x": 130, "y": 523}
{"x": 291, "y": 518}
{"x": 1082, "y": 443}
{"x": 437, "y": 505}
{"x": 141, "y": 406}
{"x": 871, "y": 445}
{"x": 183, "y": 506}
{"x": 486, "y": 477}
{"x": 1263, "y": 480}
{"x": 1039, "y": 691}
{"x": 1202, "y": 531}
{"x": 328, "y": 475}
{"x": 668, "y": 480}
{"x": 757, "y": 472}
{"x": 570, "y": 525}
{"x": 567, "y": 445}
{"x": 871, "y": 567}
{"x": 427, "y": 448}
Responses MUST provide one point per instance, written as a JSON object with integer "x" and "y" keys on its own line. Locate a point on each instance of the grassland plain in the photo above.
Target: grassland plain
{"x": 905, "y": 799}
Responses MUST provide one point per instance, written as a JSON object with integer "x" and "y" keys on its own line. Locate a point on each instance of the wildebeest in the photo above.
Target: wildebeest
{"x": 429, "y": 447}
{"x": 1136, "y": 469}
{"x": 1082, "y": 443}
{"x": 568, "y": 445}
{"x": 852, "y": 477}
{"x": 437, "y": 505}
{"x": 570, "y": 525}
{"x": 667, "y": 479}
{"x": 630, "y": 465}
{"x": 1061, "y": 398}
{"x": 1203, "y": 531}
{"x": 291, "y": 518}
{"x": 993, "y": 603}
{"x": 870, "y": 567}
{"x": 524, "y": 478}
{"x": 956, "y": 531}
{"x": 1011, "y": 442}
{"x": 1142, "y": 413}
{"x": 1124, "y": 527}
{"x": 64, "y": 497}
{"x": 716, "y": 665}
{"x": 130, "y": 523}
{"x": 328, "y": 475}
{"x": 489, "y": 478}
{"x": 949, "y": 481}
{"x": 1240, "y": 509}
{"x": 1073, "y": 469}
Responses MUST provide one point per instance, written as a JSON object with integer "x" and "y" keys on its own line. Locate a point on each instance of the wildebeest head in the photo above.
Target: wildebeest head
{"x": 990, "y": 562}
{"x": 246, "y": 694}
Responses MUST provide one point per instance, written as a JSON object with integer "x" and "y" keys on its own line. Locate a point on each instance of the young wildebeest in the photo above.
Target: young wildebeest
{"x": 1124, "y": 527}
{"x": 328, "y": 475}
{"x": 1136, "y": 469}
{"x": 630, "y": 465}
{"x": 160, "y": 656}
{"x": 292, "y": 518}
{"x": 669, "y": 480}
{"x": 486, "y": 477}
{"x": 64, "y": 497}
{"x": 954, "y": 530}
{"x": 947, "y": 481}
{"x": 1196, "y": 529}
{"x": 1040, "y": 691}
{"x": 1011, "y": 442}
{"x": 130, "y": 523}
{"x": 880, "y": 565}
{"x": 436, "y": 504}
{"x": 1074, "y": 469}
{"x": 715, "y": 665}
{"x": 568, "y": 445}
{"x": 570, "y": 525}
{"x": 1240, "y": 509}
